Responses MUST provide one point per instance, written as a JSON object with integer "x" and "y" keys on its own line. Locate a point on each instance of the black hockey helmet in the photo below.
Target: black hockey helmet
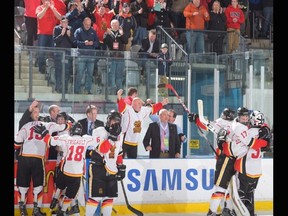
{"x": 63, "y": 115}
{"x": 113, "y": 115}
{"x": 76, "y": 129}
{"x": 242, "y": 111}
{"x": 228, "y": 114}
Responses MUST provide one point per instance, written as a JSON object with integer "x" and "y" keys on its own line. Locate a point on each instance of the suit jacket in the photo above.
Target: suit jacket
{"x": 84, "y": 123}
{"x": 153, "y": 136}
{"x": 146, "y": 44}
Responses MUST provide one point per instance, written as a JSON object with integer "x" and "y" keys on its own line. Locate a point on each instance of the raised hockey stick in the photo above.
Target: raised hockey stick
{"x": 169, "y": 86}
{"x": 236, "y": 199}
{"x": 135, "y": 211}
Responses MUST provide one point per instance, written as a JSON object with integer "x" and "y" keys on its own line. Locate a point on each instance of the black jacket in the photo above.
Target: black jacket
{"x": 153, "y": 136}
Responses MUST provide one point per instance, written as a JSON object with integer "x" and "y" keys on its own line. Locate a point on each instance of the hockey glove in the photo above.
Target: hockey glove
{"x": 41, "y": 129}
{"x": 121, "y": 172}
{"x": 221, "y": 138}
{"x": 114, "y": 131}
{"x": 264, "y": 133}
{"x": 192, "y": 117}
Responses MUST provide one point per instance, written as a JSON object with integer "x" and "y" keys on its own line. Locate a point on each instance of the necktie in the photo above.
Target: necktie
{"x": 90, "y": 128}
{"x": 162, "y": 140}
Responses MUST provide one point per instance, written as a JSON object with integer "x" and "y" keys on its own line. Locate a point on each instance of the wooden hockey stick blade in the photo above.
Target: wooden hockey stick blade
{"x": 202, "y": 119}
{"x": 135, "y": 211}
{"x": 161, "y": 85}
{"x": 236, "y": 199}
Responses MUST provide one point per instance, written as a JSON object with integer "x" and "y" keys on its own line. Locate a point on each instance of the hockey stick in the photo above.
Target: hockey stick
{"x": 169, "y": 86}
{"x": 207, "y": 123}
{"x": 236, "y": 199}
{"x": 135, "y": 211}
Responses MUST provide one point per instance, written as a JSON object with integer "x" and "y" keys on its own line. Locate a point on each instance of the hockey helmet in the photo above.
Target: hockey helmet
{"x": 164, "y": 45}
{"x": 113, "y": 115}
{"x": 257, "y": 118}
{"x": 228, "y": 114}
{"x": 76, "y": 129}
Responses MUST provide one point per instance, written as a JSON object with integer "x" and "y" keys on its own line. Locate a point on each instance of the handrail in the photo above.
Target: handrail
{"x": 171, "y": 38}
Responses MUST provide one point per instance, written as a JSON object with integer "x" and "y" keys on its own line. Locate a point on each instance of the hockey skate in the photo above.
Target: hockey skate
{"x": 23, "y": 210}
{"x": 53, "y": 203}
{"x": 210, "y": 213}
{"x": 73, "y": 210}
{"x": 228, "y": 212}
{"x": 36, "y": 211}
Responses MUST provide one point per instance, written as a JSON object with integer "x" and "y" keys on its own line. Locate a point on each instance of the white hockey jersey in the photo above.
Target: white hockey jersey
{"x": 110, "y": 157}
{"x": 74, "y": 151}
{"x": 33, "y": 144}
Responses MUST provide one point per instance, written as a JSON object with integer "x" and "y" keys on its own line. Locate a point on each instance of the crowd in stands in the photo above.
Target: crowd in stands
{"x": 117, "y": 25}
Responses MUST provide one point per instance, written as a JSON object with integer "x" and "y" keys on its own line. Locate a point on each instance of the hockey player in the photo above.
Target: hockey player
{"x": 248, "y": 167}
{"x": 132, "y": 121}
{"x": 224, "y": 165}
{"x": 58, "y": 196}
{"x": 31, "y": 163}
{"x": 106, "y": 166}
{"x": 71, "y": 167}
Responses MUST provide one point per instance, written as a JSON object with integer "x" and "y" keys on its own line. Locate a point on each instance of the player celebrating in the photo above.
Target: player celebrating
{"x": 71, "y": 167}
{"x": 248, "y": 167}
{"x": 106, "y": 166}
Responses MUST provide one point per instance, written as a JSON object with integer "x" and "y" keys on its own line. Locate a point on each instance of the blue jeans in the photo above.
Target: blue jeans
{"x": 268, "y": 14}
{"x": 58, "y": 70}
{"x": 85, "y": 64}
{"x": 115, "y": 74}
{"x": 139, "y": 35}
{"x": 195, "y": 42}
{"x": 43, "y": 41}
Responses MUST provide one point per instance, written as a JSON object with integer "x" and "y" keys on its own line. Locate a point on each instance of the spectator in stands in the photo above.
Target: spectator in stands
{"x": 87, "y": 41}
{"x": 90, "y": 122}
{"x": 235, "y": 17}
{"x": 128, "y": 23}
{"x": 164, "y": 63}
{"x": 114, "y": 39}
{"x": 162, "y": 9}
{"x": 63, "y": 36}
{"x": 205, "y": 3}
{"x": 89, "y": 7}
{"x": 217, "y": 28}
{"x": 47, "y": 18}
{"x": 132, "y": 93}
{"x": 75, "y": 15}
{"x": 177, "y": 16}
{"x": 161, "y": 138}
{"x": 244, "y": 28}
{"x": 196, "y": 16}
{"x": 268, "y": 15}
{"x": 31, "y": 20}
{"x": 103, "y": 19}
{"x": 61, "y": 7}
{"x": 150, "y": 48}
{"x": 140, "y": 11}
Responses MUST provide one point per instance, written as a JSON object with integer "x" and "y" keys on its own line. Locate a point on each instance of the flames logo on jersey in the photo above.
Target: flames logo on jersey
{"x": 112, "y": 151}
{"x": 137, "y": 127}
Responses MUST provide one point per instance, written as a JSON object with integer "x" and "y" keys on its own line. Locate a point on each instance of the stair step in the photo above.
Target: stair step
{"x": 25, "y": 75}
{"x": 25, "y": 82}
{"x": 38, "y": 89}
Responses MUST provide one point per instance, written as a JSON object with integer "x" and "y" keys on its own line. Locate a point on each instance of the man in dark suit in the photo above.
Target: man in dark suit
{"x": 150, "y": 48}
{"x": 162, "y": 139}
{"x": 90, "y": 122}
